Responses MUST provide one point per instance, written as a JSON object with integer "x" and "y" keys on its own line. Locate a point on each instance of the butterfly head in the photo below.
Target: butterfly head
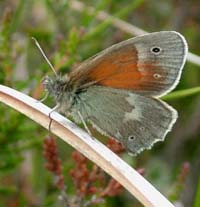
{"x": 56, "y": 86}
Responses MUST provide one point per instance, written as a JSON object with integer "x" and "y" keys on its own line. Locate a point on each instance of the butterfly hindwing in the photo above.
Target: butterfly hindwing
{"x": 134, "y": 120}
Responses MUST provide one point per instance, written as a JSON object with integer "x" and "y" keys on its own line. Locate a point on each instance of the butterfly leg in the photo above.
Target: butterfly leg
{"x": 54, "y": 109}
{"x": 44, "y": 98}
{"x": 84, "y": 123}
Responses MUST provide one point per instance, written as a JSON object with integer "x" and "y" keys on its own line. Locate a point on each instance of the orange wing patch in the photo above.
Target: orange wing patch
{"x": 121, "y": 70}
{"x": 119, "y": 67}
{"x": 117, "y": 70}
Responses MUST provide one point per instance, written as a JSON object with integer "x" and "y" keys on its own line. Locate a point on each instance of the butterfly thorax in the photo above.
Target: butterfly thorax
{"x": 61, "y": 90}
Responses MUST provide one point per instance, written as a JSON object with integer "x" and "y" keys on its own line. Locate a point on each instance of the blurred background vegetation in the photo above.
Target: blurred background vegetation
{"x": 68, "y": 37}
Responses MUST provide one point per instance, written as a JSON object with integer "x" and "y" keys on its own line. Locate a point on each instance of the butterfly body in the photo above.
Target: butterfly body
{"x": 117, "y": 90}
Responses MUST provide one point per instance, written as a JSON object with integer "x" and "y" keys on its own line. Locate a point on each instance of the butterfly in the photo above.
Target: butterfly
{"x": 118, "y": 89}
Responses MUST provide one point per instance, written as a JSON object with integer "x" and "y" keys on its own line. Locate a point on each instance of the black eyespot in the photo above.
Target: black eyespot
{"x": 156, "y": 50}
{"x": 131, "y": 138}
{"x": 156, "y": 76}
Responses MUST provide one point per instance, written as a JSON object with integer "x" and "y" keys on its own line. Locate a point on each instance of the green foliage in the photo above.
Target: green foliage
{"x": 183, "y": 93}
{"x": 68, "y": 37}
{"x": 197, "y": 195}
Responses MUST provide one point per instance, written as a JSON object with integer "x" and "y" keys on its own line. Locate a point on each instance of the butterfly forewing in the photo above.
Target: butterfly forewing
{"x": 149, "y": 64}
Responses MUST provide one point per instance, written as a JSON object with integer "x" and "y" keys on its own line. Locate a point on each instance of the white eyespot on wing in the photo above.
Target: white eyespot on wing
{"x": 135, "y": 113}
{"x": 132, "y": 138}
{"x": 156, "y": 50}
{"x": 157, "y": 76}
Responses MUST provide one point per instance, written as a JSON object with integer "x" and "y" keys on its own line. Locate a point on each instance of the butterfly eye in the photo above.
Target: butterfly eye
{"x": 156, "y": 50}
{"x": 131, "y": 138}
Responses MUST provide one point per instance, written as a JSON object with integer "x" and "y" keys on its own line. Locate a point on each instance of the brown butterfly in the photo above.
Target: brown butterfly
{"x": 117, "y": 90}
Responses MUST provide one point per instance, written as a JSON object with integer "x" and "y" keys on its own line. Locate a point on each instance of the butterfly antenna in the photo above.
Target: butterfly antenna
{"x": 45, "y": 57}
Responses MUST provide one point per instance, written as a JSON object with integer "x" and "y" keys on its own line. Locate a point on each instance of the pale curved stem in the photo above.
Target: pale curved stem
{"x": 84, "y": 143}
